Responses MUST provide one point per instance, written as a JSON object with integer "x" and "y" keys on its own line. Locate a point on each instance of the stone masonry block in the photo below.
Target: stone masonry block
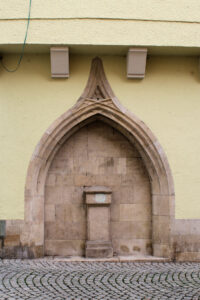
{"x": 115, "y": 212}
{"x": 75, "y": 231}
{"x": 75, "y": 213}
{"x": 160, "y": 205}
{"x": 49, "y": 213}
{"x": 65, "y": 248}
{"x": 53, "y": 194}
{"x": 131, "y": 230}
{"x": 135, "y": 212}
{"x": 67, "y": 194}
{"x": 84, "y": 180}
{"x": 98, "y": 223}
{"x": 12, "y": 240}
{"x": 132, "y": 246}
{"x": 51, "y": 179}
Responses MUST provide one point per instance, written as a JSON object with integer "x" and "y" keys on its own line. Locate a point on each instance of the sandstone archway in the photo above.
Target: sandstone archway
{"x": 98, "y": 102}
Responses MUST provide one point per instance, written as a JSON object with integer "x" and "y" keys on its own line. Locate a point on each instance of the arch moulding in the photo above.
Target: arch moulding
{"x": 98, "y": 102}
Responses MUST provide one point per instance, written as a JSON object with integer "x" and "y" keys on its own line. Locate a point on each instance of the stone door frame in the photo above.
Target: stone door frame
{"x": 98, "y": 102}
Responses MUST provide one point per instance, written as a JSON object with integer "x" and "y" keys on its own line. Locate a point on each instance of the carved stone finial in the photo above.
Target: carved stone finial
{"x": 97, "y": 87}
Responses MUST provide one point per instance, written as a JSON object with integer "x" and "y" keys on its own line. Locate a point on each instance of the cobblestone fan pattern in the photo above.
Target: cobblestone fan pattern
{"x": 50, "y": 279}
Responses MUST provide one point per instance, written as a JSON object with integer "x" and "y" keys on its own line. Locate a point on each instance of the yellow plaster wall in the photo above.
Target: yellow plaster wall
{"x": 167, "y": 100}
{"x": 128, "y": 22}
{"x": 101, "y": 32}
{"x": 168, "y": 10}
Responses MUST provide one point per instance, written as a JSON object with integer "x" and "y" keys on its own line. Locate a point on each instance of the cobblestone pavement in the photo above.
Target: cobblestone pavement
{"x": 50, "y": 279}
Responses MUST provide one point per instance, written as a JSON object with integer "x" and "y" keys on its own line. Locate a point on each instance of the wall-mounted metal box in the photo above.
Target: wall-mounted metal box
{"x": 136, "y": 62}
{"x": 59, "y": 62}
{"x": 2, "y": 228}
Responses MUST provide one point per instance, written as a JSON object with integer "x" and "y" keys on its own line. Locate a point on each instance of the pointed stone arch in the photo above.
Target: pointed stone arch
{"x": 98, "y": 102}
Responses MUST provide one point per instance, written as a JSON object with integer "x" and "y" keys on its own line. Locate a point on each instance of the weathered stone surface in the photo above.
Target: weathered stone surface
{"x": 64, "y": 247}
{"x": 50, "y": 213}
{"x": 142, "y": 192}
{"x": 115, "y": 212}
{"x": 53, "y": 194}
{"x": 12, "y": 240}
{"x": 98, "y": 249}
{"x": 130, "y": 246}
{"x": 162, "y": 234}
{"x": 51, "y": 180}
{"x": 14, "y": 227}
{"x": 136, "y": 212}
{"x": 161, "y": 250}
{"x": 125, "y": 194}
{"x": 67, "y": 194}
{"x": 98, "y": 223}
{"x": 84, "y": 180}
{"x": 188, "y": 256}
{"x": 104, "y": 158}
{"x": 161, "y": 205}
{"x": 130, "y": 230}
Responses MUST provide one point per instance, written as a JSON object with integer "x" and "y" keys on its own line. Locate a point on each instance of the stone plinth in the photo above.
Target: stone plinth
{"x": 98, "y": 200}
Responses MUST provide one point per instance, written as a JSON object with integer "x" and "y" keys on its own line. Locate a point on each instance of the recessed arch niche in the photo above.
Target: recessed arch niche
{"x": 99, "y": 104}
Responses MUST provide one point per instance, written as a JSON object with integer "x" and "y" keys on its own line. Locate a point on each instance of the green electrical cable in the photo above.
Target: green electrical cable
{"x": 24, "y": 44}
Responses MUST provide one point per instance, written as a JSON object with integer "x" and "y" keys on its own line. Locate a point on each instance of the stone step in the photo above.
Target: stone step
{"x": 99, "y": 252}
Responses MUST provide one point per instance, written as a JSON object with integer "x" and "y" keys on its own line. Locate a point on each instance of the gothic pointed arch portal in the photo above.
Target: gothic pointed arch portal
{"x": 98, "y": 103}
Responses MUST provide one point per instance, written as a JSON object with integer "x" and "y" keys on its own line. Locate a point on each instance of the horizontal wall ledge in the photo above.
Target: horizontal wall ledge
{"x": 101, "y": 32}
{"x": 171, "y": 10}
{"x": 98, "y": 49}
